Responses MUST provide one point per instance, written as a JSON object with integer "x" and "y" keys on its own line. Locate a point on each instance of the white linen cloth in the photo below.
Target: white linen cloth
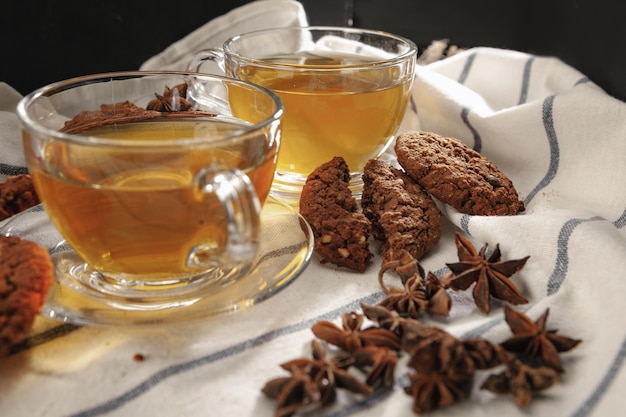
{"x": 558, "y": 136}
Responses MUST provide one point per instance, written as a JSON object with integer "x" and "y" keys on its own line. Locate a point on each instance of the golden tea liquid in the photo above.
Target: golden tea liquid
{"x": 338, "y": 112}
{"x": 138, "y": 212}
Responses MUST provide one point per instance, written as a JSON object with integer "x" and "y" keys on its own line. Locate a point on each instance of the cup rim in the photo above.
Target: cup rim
{"x": 411, "y": 51}
{"x": 86, "y": 139}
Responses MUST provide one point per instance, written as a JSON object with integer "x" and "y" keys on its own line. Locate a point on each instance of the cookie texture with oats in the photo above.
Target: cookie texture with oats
{"x": 17, "y": 193}
{"x": 457, "y": 175}
{"x": 25, "y": 278}
{"x": 341, "y": 232}
{"x": 404, "y": 217}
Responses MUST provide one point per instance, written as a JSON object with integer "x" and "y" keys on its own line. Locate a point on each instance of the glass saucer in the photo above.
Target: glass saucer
{"x": 285, "y": 250}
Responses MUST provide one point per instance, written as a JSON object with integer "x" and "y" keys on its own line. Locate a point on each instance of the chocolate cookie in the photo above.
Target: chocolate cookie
{"x": 341, "y": 232}
{"x": 457, "y": 175}
{"x": 17, "y": 194}
{"x": 25, "y": 277}
{"x": 403, "y": 215}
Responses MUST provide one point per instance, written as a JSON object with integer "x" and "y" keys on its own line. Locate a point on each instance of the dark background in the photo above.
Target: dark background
{"x": 49, "y": 40}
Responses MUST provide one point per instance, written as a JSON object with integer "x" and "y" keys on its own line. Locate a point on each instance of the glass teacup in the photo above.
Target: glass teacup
{"x": 345, "y": 92}
{"x": 155, "y": 179}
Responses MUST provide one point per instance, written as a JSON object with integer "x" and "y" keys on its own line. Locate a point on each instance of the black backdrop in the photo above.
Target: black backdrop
{"x": 48, "y": 40}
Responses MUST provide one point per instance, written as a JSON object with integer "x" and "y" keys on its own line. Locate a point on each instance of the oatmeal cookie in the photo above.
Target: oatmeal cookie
{"x": 25, "y": 277}
{"x": 341, "y": 232}
{"x": 17, "y": 194}
{"x": 457, "y": 175}
{"x": 403, "y": 215}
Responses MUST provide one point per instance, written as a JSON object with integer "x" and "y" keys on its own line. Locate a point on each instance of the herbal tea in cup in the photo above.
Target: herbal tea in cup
{"x": 155, "y": 180}
{"x": 345, "y": 92}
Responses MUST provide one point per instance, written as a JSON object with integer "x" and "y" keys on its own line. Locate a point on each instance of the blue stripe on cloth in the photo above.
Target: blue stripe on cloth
{"x": 548, "y": 123}
{"x": 465, "y": 111}
{"x": 9, "y": 170}
{"x": 526, "y": 80}
{"x": 478, "y": 142}
{"x": 466, "y": 68}
{"x": 465, "y": 220}
{"x": 621, "y": 222}
{"x": 44, "y": 337}
{"x": 589, "y": 404}
{"x": 165, "y": 373}
{"x": 562, "y": 258}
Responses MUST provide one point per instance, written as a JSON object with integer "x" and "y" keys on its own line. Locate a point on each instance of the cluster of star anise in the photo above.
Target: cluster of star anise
{"x": 427, "y": 293}
{"x": 442, "y": 368}
{"x": 314, "y": 382}
{"x": 531, "y": 357}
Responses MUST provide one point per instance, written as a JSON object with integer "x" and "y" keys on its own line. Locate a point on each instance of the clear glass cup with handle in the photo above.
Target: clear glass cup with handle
{"x": 155, "y": 179}
{"x": 345, "y": 92}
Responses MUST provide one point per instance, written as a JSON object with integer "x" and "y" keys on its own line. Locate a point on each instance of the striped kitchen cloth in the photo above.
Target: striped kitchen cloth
{"x": 561, "y": 140}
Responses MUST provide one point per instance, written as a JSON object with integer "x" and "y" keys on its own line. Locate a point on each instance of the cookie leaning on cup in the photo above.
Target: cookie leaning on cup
{"x": 457, "y": 175}
{"x": 341, "y": 232}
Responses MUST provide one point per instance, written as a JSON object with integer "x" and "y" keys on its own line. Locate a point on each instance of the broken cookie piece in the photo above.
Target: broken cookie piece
{"x": 341, "y": 232}
{"x": 404, "y": 217}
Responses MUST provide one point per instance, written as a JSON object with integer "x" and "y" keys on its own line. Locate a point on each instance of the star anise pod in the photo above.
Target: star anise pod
{"x": 439, "y": 301}
{"x": 418, "y": 294}
{"x": 445, "y": 365}
{"x": 442, "y": 351}
{"x": 437, "y": 390}
{"x": 441, "y": 375}
{"x": 351, "y": 337}
{"x": 292, "y": 392}
{"x": 312, "y": 382}
{"x": 482, "y": 353}
{"x": 379, "y": 363}
{"x": 415, "y": 332}
{"x": 490, "y": 274}
{"x": 173, "y": 99}
{"x": 327, "y": 375}
{"x": 406, "y": 266}
{"x": 384, "y": 317}
{"x": 447, "y": 351}
{"x": 409, "y": 301}
{"x": 532, "y": 338}
{"x": 520, "y": 380}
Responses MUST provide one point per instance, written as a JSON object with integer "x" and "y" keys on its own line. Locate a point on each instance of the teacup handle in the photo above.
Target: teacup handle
{"x": 215, "y": 55}
{"x": 241, "y": 204}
